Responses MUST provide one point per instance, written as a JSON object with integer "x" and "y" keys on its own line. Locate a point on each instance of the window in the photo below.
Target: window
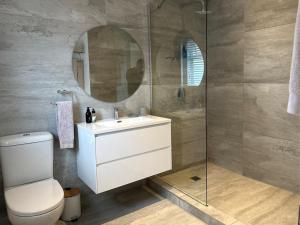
{"x": 194, "y": 63}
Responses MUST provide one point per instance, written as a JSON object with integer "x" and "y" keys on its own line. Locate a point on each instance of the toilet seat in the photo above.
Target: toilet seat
{"x": 34, "y": 199}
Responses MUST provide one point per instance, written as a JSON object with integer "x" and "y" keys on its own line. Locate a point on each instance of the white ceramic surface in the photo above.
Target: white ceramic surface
{"x": 34, "y": 156}
{"x": 110, "y": 125}
{"x": 34, "y": 199}
{"x": 49, "y": 218}
{"x": 32, "y": 196}
{"x": 24, "y": 138}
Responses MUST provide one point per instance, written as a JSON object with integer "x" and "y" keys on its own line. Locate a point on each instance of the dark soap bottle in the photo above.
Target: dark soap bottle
{"x": 88, "y": 115}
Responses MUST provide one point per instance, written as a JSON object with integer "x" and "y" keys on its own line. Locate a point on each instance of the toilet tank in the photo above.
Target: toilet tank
{"x": 26, "y": 158}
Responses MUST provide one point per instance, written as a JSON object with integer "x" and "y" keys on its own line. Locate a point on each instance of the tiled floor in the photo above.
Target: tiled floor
{"x": 135, "y": 206}
{"x": 245, "y": 199}
{"x": 162, "y": 213}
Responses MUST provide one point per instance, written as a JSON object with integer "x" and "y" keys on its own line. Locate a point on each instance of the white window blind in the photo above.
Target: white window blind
{"x": 195, "y": 64}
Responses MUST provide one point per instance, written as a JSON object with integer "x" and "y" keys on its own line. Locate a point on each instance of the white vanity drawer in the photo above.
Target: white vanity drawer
{"x": 119, "y": 145}
{"x": 121, "y": 172}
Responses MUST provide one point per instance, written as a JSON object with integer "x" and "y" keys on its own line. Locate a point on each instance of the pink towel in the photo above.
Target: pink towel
{"x": 65, "y": 124}
{"x": 294, "y": 98}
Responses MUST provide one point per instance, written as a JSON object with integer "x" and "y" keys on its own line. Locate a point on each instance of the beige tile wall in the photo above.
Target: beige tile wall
{"x": 249, "y": 55}
{"x": 36, "y": 43}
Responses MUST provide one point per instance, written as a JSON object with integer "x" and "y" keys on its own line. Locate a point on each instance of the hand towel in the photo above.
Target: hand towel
{"x": 65, "y": 124}
{"x": 294, "y": 97}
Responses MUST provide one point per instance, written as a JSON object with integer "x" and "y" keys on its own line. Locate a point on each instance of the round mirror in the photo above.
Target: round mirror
{"x": 108, "y": 63}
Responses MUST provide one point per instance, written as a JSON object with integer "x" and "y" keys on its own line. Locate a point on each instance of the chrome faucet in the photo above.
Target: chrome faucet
{"x": 116, "y": 113}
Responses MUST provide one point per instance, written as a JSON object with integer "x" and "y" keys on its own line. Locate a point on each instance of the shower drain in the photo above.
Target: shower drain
{"x": 195, "y": 178}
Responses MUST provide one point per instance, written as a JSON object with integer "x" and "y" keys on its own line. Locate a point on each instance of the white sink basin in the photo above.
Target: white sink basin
{"x": 110, "y": 125}
{"x": 123, "y": 121}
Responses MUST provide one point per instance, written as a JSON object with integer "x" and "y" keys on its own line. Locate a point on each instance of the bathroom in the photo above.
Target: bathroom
{"x": 235, "y": 150}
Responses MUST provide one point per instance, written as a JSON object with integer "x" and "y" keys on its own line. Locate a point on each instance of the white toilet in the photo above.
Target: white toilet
{"x": 32, "y": 196}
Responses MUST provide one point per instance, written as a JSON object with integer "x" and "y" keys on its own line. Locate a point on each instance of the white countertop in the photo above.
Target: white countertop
{"x": 125, "y": 123}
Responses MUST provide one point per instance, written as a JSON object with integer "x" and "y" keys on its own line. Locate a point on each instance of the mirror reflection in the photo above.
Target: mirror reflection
{"x": 108, "y": 63}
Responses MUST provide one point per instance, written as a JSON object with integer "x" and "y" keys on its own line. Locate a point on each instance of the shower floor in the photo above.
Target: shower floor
{"x": 245, "y": 199}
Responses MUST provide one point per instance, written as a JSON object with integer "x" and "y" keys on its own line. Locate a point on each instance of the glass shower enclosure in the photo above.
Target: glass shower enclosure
{"x": 178, "y": 30}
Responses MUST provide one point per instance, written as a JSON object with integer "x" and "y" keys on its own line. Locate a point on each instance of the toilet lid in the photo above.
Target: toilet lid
{"x": 35, "y": 198}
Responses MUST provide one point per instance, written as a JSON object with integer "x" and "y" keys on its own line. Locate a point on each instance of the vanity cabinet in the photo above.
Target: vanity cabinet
{"x": 112, "y": 154}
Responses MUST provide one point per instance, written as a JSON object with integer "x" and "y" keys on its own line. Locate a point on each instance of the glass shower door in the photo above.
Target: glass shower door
{"x": 178, "y": 49}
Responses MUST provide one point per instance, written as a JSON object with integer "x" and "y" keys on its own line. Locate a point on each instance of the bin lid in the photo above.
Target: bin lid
{"x": 71, "y": 192}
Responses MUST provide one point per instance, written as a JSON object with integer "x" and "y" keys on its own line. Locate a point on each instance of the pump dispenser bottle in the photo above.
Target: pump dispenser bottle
{"x": 93, "y": 115}
{"x": 88, "y": 115}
